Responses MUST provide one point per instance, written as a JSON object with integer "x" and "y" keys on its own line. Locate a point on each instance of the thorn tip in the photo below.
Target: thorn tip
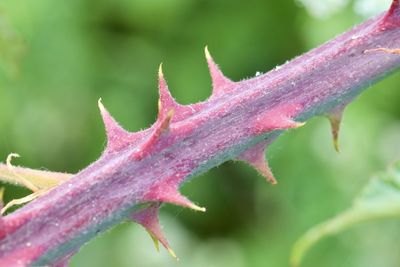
{"x": 207, "y": 53}
{"x": 100, "y": 105}
{"x": 197, "y": 208}
{"x": 299, "y": 124}
{"x": 335, "y": 119}
{"x": 272, "y": 181}
{"x": 160, "y": 71}
{"x": 172, "y": 253}
{"x": 155, "y": 240}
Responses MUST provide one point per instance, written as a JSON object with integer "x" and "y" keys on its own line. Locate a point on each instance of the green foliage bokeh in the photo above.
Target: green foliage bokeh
{"x": 58, "y": 57}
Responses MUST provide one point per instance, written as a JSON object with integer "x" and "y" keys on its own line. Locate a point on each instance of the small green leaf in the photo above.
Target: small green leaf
{"x": 380, "y": 199}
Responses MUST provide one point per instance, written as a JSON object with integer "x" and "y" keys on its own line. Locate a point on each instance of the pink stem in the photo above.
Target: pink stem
{"x": 237, "y": 121}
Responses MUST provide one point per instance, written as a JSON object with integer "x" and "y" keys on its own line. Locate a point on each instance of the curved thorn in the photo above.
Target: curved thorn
{"x": 176, "y": 198}
{"x": 160, "y": 71}
{"x": 148, "y": 218}
{"x": 196, "y": 208}
{"x": 180, "y": 200}
{"x": 155, "y": 241}
{"x": 172, "y": 253}
{"x": 255, "y": 157}
{"x": 335, "y": 119}
{"x": 168, "y": 193}
{"x": 117, "y": 136}
{"x": 265, "y": 124}
{"x": 111, "y": 125}
{"x": 220, "y": 83}
{"x": 264, "y": 169}
{"x": 207, "y": 53}
{"x": 278, "y": 118}
{"x": 166, "y": 101}
{"x": 335, "y": 125}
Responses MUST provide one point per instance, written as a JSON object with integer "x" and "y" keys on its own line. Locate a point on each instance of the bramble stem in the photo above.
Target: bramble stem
{"x": 237, "y": 121}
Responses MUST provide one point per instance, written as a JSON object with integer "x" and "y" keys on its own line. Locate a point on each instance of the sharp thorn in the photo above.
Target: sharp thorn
{"x": 335, "y": 119}
{"x": 172, "y": 253}
{"x": 197, "y": 208}
{"x": 298, "y": 124}
{"x": 155, "y": 240}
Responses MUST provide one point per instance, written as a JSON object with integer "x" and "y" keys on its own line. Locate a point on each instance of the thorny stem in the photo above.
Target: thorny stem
{"x": 138, "y": 171}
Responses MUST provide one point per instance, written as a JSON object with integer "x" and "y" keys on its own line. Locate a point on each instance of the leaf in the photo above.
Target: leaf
{"x": 38, "y": 181}
{"x": 30, "y": 178}
{"x": 379, "y": 200}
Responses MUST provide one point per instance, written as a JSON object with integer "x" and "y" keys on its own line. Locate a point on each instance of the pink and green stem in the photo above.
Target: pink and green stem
{"x": 138, "y": 172}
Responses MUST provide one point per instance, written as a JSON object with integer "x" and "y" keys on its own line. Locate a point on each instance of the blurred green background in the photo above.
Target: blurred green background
{"x": 58, "y": 57}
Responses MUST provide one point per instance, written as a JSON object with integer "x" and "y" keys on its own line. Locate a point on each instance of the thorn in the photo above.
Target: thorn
{"x": 255, "y": 157}
{"x": 268, "y": 124}
{"x": 117, "y": 137}
{"x": 278, "y": 118}
{"x": 167, "y": 192}
{"x": 111, "y": 125}
{"x": 267, "y": 173}
{"x": 166, "y": 101}
{"x": 194, "y": 207}
{"x": 160, "y": 71}
{"x": 295, "y": 124}
{"x": 220, "y": 83}
{"x": 148, "y": 218}
{"x": 177, "y": 199}
{"x": 155, "y": 241}
{"x": 101, "y": 106}
{"x": 335, "y": 118}
{"x": 22, "y": 180}
{"x": 385, "y": 50}
{"x": 172, "y": 253}
{"x": 392, "y": 15}
{"x": 207, "y": 53}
